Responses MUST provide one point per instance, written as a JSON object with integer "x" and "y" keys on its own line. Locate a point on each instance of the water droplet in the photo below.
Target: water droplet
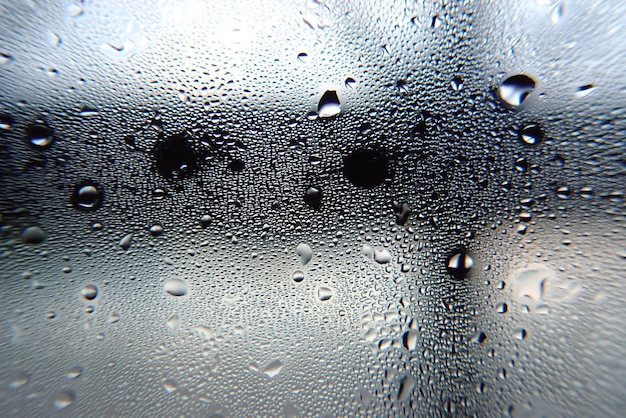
{"x": 456, "y": 83}
{"x": 366, "y": 168}
{"x": 329, "y": 105}
{"x": 530, "y": 284}
{"x": 303, "y": 57}
{"x": 87, "y": 196}
{"x": 175, "y": 157}
{"x": 114, "y": 318}
{"x": 33, "y": 235}
{"x": 6, "y": 122}
{"x": 459, "y": 265}
{"x": 40, "y": 134}
{"x": 531, "y": 134}
{"x": 409, "y": 339}
{"x": 5, "y": 58}
{"x": 324, "y": 294}
{"x": 74, "y": 372}
{"x": 156, "y": 230}
{"x": 435, "y": 22}
{"x": 298, "y": 276}
{"x": 350, "y": 82}
{"x": 89, "y": 292}
{"x": 170, "y": 385}
{"x": 585, "y": 90}
{"x": 18, "y": 380}
{"x": 304, "y": 252}
{"x": 173, "y": 323}
{"x": 176, "y": 287}
{"x": 502, "y": 307}
{"x": 406, "y": 387}
{"x": 478, "y": 338}
{"x": 87, "y": 111}
{"x": 382, "y": 256}
{"x": 126, "y": 241}
{"x": 313, "y": 197}
{"x": 557, "y": 13}
{"x": 205, "y": 220}
{"x": 515, "y": 89}
{"x": 273, "y": 369}
{"x": 64, "y": 399}
{"x": 520, "y": 333}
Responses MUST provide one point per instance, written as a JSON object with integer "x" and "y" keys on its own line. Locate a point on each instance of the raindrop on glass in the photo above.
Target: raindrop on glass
{"x": 176, "y": 287}
{"x": 515, "y": 89}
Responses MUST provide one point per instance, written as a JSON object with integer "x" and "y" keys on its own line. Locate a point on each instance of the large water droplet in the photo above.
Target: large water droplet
{"x": 33, "y": 235}
{"x": 515, "y": 89}
{"x": 64, "y": 399}
{"x": 329, "y": 105}
{"x": 298, "y": 276}
{"x": 459, "y": 265}
{"x": 324, "y": 294}
{"x": 87, "y": 196}
{"x": 531, "y": 134}
{"x": 304, "y": 252}
{"x": 40, "y": 134}
{"x": 409, "y": 339}
{"x": 273, "y": 369}
{"x": 176, "y": 287}
{"x": 313, "y": 197}
{"x": 89, "y": 292}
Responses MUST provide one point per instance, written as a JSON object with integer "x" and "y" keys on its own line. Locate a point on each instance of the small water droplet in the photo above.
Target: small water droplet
{"x": 89, "y": 292}
{"x": 350, "y": 82}
{"x": 329, "y": 105}
{"x": 515, "y": 89}
{"x": 5, "y": 58}
{"x": 298, "y": 276}
{"x": 531, "y": 134}
{"x": 502, "y": 307}
{"x": 33, "y": 235}
{"x": 303, "y": 57}
{"x": 64, "y": 399}
{"x": 237, "y": 166}
{"x": 176, "y": 287}
{"x": 40, "y": 134}
{"x": 324, "y": 294}
{"x": 87, "y": 196}
{"x": 459, "y": 265}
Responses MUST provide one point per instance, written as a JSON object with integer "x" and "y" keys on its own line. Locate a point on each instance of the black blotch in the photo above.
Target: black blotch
{"x": 366, "y": 168}
{"x": 175, "y": 157}
{"x": 237, "y": 166}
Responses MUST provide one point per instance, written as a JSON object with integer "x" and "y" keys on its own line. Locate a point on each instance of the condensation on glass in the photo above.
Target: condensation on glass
{"x": 312, "y": 208}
